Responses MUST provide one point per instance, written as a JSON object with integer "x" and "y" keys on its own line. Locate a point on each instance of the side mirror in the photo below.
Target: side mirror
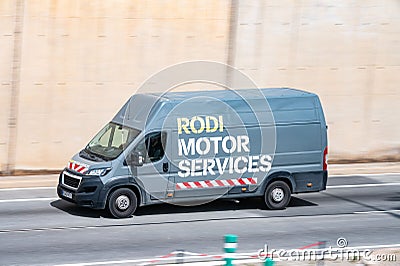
{"x": 135, "y": 158}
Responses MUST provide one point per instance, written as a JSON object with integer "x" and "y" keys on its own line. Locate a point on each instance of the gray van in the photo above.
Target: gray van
{"x": 185, "y": 147}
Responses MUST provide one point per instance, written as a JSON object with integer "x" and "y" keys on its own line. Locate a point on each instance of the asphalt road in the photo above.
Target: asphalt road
{"x": 38, "y": 229}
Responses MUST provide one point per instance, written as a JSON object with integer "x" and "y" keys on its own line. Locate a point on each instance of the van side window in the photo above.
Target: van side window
{"x": 152, "y": 147}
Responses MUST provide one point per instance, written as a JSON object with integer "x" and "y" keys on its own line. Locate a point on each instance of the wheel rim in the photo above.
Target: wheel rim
{"x": 122, "y": 202}
{"x": 277, "y": 194}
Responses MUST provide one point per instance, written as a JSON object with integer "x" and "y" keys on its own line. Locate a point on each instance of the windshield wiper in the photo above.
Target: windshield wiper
{"x": 93, "y": 156}
{"x": 85, "y": 154}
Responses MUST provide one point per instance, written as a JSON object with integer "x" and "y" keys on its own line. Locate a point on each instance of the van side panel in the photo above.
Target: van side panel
{"x": 298, "y": 147}
{"x": 301, "y": 140}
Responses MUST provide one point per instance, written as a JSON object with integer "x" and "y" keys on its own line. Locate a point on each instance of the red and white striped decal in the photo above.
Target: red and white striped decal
{"x": 78, "y": 167}
{"x": 216, "y": 183}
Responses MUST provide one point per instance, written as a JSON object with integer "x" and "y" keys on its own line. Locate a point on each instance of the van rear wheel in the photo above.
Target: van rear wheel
{"x": 122, "y": 203}
{"x": 277, "y": 195}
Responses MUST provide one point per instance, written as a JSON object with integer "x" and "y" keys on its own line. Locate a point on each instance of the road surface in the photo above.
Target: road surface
{"x": 36, "y": 228}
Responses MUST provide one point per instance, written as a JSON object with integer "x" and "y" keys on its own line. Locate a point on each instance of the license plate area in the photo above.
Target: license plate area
{"x": 66, "y": 194}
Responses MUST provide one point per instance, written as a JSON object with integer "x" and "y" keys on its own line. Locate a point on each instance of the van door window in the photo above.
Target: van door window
{"x": 152, "y": 147}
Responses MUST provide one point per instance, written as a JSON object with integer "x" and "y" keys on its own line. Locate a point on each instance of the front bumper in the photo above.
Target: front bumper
{"x": 90, "y": 192}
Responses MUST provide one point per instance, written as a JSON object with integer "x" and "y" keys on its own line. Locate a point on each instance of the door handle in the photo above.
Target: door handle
{"x": 165, "y": 167}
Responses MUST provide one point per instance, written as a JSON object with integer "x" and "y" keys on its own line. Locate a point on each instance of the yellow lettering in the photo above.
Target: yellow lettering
{"x": 208, "y": 126}
{"x": 192, "y": 124}
{"x": 183, "y": 124}
{"x": 198, "y": 124}
{"x": 221, "y": 124}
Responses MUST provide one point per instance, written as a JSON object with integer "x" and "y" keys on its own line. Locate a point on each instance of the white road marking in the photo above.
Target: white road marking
{"x": 78, "y": 227}
{"x": 24, "y": 230}
{"x": 103, "y": 262}
{"x": 365, "y": 185}
{"x": 26, "y": 188}
{"x": 53, "y": 188}
{"x": 364, "y": 174}
{"x": 333, "y": 186}
{"x": 49, "y": 199}
{"x": 26, "y": 200}
{"x": 381, "y": 211}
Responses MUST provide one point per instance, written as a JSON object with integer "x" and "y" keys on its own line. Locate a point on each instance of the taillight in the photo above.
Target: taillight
{"x": 325, "y": 159}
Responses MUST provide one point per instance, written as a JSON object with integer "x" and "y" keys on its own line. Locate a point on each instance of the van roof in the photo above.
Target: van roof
{"x": 231, "y": 95}
{"x": 150, "y": 110}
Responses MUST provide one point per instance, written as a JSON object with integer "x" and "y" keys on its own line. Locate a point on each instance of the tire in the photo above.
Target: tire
{"x": 122, "y": 203}
{"x": 277, "y": 195}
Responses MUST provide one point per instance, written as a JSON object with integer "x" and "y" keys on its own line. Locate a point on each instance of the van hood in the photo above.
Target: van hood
{"x": 82, "y": 166}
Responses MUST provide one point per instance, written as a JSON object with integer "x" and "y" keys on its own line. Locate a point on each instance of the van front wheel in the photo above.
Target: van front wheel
{"x": 277, "y": 195}
{"x": 122, "y": 203}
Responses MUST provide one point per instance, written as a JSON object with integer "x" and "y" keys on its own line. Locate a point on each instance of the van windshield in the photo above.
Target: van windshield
{"x": 109, "y": 143}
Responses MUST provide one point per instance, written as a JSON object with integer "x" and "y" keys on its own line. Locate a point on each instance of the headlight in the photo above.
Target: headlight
{"x": 99, "y": 171}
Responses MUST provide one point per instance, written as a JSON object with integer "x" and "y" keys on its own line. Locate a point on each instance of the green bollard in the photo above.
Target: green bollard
{"x": 269, "y": 262}
{"x": 230, "y": 248}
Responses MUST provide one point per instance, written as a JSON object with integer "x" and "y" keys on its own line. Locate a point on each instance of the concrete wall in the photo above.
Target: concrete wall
{"x": 81, "y": 60}
{"x": 7, "y": 25}
{"x": 348, "y": 52}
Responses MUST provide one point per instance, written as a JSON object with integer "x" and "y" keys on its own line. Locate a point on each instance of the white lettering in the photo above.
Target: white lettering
{"x": 236, "y": 165}
{"x": 206, "y": 141}
{"x": 265, "y": 163}
{"x": 184, "y": 166}
{"x": 185, "y": 149}
{"x": 243, "y": 141}
{"x": 208, "y": 167}
{"x": 225, "y": 146}
{"x": 253, "y": 164}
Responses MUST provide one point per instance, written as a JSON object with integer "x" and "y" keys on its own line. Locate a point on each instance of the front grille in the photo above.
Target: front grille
{"x": 71, "y": 181}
